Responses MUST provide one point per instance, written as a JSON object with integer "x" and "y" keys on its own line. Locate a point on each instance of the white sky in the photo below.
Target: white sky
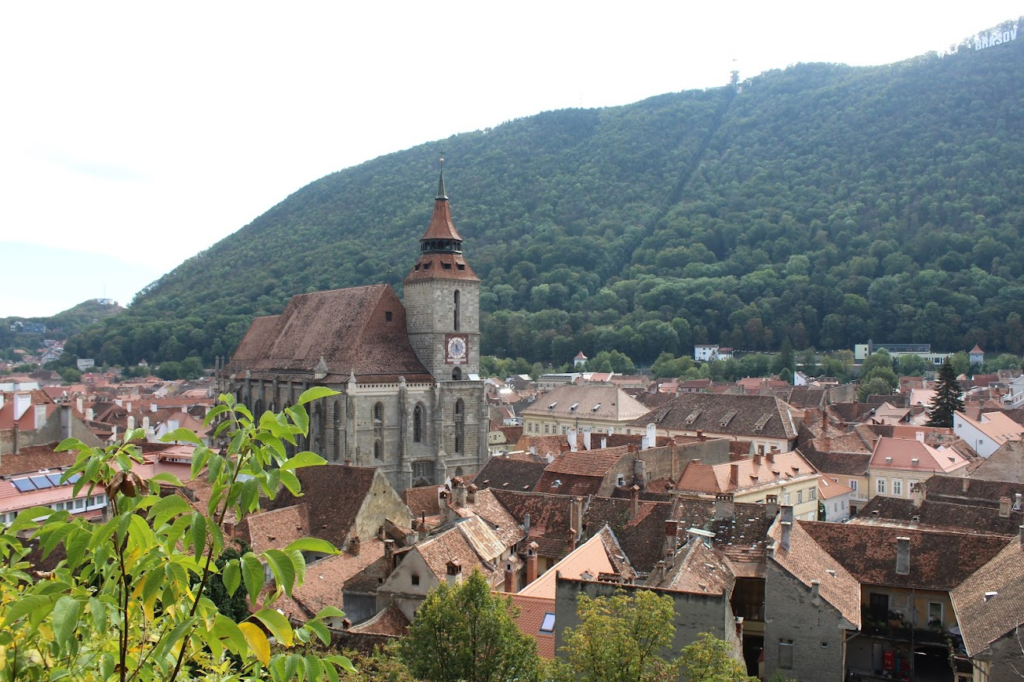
{"x": 134, "y": 135}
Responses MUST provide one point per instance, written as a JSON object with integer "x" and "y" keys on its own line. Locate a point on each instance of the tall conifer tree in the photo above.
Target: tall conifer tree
{"x": 947, "y": 398}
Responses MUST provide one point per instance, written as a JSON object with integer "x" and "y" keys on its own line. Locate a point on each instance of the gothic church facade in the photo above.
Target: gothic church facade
{"x": 410, "y": 400}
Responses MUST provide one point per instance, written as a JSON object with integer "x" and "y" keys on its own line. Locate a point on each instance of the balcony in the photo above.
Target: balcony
{"x": 898, "y": 631}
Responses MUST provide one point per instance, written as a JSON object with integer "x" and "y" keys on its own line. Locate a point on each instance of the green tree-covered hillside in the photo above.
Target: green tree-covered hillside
{"x": 825, "y": 204}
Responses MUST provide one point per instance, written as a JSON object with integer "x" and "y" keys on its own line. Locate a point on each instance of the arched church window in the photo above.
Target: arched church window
{"x": 456, "y": 310}
{"x": 417, "y": 424}
{"x": 460, "y": 425}
{"x": 378, "y": 430}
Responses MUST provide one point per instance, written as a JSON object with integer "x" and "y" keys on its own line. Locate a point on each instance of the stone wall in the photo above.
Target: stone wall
{"x": 809, "y": 627}
{"x": 694, "y": 613}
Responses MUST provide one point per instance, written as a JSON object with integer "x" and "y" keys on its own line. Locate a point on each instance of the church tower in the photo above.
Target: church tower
{"x": 442, "y": 300}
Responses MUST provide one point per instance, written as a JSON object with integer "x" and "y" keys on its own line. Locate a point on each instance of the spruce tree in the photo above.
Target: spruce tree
{"x": 947, "y": 398}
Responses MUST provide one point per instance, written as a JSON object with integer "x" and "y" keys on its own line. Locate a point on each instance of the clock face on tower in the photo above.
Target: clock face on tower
{"x": 456, "y": 349}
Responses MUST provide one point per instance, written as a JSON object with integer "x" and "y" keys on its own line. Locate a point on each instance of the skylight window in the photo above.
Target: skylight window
{"x": 548, "y": 624}
{"x": 40, "y": 482}
{"x": 552, "y": 405}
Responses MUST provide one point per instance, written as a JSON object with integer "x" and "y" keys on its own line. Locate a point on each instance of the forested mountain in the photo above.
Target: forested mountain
{"x": 825, "y": 204}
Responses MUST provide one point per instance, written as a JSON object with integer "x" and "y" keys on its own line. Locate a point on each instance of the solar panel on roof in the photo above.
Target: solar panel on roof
{"x": 74, "y": 479}
{"x": 23, "y": 485}
{"x": 40, "y": 482}
{"x": 54, "y": 479}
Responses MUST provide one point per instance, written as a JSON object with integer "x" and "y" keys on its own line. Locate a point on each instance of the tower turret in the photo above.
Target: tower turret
{"x": 442, "y": 299}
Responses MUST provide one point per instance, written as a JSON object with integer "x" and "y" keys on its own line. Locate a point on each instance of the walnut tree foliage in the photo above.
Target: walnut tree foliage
{"x": 465, "y": 633}
{"x": 130, "y": 600}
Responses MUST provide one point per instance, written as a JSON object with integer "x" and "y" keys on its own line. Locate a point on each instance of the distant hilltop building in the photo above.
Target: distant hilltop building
{"x": 711, "y": 353}
{"x": 411, "y": 402}
{"x": 862, "y": 351}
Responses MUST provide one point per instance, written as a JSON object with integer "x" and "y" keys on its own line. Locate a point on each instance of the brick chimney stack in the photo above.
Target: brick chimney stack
{"x": 531, "y": 562}
{"x": 510, "y": 578}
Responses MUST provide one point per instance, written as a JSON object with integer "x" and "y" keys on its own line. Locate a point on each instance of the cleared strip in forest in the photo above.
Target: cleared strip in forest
{"x": 676, "y": 195}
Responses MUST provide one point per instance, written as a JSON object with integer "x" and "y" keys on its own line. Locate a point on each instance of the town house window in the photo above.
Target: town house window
{"x": 853, "y": 485}
{"x": 881, "y": 486}
{"x": 897, "y": 487}
{"x": 786, "y": 654}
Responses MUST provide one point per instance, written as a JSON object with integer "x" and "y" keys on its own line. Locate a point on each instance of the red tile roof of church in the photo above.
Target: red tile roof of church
{"x": 348, "y": 328}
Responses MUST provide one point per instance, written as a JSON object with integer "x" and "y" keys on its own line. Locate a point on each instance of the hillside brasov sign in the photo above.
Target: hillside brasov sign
{"x": 983, "y": 40}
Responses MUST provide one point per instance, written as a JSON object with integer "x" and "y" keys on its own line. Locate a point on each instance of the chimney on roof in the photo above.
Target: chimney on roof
{"x": 787, "y": 513}
{"x": 770, "y": 456}
{"x": 586, "y": 437}
{"x": 423, "y": 527}
{"x": 919, "y": 435}
{"x": 128, "y": 407}
{"x": 725, "y": 507}
{"x": 902, "y": 556}
{"x": 700, "y": 436}
{"x": 634, "y": 502}
{"x": 734, "y": 473}
{"x": 145, "y": 424}
{"x": 78, "y": 404}
{"x": 1017, "y": 503}
{"x": 604, "y": 442}
{"x": 353, "y": 546}
{"x": 658, "y": 573}
{"x": 965, "y": 485}
{"x": 152, "y": 407}
{"x": 131, "y": 422}
{"x": 576, "y": 513}
{"x": 571, "y": 437}
{"x": 1004, "y": 507}
{"x": 471, "y": 494}
{"x": 389, "y": 557}
{"x": 65, "y": 420}
{"x": 651, "y": 439}
{"x": 787, "y": 529}
{"x": 571, "y": 539}
{"x": 815, "y": 590}
{"x": 453, "y": 572}
{"x": 640, "y": 472}
{"x": 531, "y": 562}
{"x": 510, "y": 578}
{"x": 757, "y": 458}
{"x": 526, "y": 522}
{"x": 919, "y": 494}
{"x": 771, "y": 506}
{"x": 90, "y": 415}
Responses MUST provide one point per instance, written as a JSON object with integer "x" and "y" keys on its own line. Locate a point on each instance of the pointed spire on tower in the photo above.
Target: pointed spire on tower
{"x": 441, "y": 194}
